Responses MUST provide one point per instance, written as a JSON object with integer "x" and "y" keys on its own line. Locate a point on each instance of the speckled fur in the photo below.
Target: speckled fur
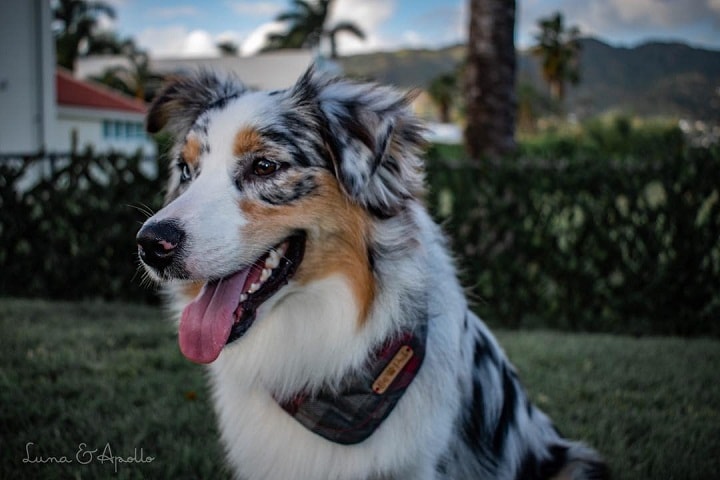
{"x": 350, "y": 169}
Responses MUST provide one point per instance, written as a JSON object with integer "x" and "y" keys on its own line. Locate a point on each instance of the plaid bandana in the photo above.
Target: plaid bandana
{"x": 353, "y": 414}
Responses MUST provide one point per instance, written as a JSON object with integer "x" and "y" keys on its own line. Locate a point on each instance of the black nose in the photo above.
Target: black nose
{"x": 159, "y": 243}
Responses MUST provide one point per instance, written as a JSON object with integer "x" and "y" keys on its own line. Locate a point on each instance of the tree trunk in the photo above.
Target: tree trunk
{"x": 557, "y": 90}
{"x": 490, "y": 79}
{"x": 444, "y": 108}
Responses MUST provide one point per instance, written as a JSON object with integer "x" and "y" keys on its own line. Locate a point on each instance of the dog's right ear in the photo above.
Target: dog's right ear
{"x": 185, "y": 98}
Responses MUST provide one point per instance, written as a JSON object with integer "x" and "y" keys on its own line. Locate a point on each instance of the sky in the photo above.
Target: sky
{"x": 192, "y": 28}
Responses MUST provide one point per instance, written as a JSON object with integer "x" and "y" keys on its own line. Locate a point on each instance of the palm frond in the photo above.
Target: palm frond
{"x": 348, "y": 27}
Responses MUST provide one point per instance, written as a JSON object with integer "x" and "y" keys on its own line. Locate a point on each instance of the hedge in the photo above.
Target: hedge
{"x": 618, "y": 245}
{"x": 625, "y": 244}
{"x": 72, "y": 235}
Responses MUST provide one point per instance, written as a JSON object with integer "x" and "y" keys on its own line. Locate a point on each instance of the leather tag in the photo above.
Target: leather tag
{"x": 392, "y": 370}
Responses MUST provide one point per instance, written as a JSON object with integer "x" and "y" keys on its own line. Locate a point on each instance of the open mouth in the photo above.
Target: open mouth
{"x": 225, "y": 309}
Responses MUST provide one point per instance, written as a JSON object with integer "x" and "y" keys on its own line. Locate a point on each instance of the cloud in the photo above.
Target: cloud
{"x": 652, "y": 13}
{"x": 199, "y": 43}
{"x": 162, "y": 42}
{"x": 370, "y": 16}
{"x": 105, "y": 23}
{"x": 411, "y": 38}
{"x": 255, "y": 9}
{"x": 442, "y": 25}
{"x": 258, "y": 37}
{"x": 628, "y": 13}
{"x": 166, "y": 13}
{"x": 620, "y": 20}
{"x": 177, "y": 41}
{"x": 117, "y": 3}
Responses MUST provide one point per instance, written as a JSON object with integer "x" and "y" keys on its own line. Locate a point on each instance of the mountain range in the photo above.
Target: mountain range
{"x": 652, "y": 79}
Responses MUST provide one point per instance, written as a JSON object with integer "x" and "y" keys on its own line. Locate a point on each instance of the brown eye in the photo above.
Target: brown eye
{"x": 263, "y": 167}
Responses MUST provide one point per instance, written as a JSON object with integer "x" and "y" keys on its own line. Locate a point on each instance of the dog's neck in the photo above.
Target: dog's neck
{"x": 366, "y": 398}
{"x": 352, "y": 410}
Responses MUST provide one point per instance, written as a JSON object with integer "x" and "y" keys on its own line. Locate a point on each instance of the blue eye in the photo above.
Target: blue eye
{"x": 185, "y": 173}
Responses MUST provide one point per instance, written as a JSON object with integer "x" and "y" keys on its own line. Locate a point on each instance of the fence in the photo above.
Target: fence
{"x": 67, "y": 225}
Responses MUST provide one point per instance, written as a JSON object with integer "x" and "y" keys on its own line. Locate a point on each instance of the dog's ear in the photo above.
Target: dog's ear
{"x": 373, "y": 138}
{"x": 184, "y": 98}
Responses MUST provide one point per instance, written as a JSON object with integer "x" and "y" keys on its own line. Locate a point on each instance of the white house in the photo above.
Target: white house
{"x": 265, "y": 71}
{"x": 96, "y": 116}
{"x": 44, "y": 111}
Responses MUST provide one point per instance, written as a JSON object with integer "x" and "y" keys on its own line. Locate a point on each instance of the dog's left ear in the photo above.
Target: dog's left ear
{"x": 184, "y": 98}
{"x": 374, "y": 139}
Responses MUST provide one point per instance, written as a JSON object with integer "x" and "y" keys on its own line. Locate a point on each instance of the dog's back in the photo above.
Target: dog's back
{"x": 500, "y": 433}
{"x": 315, "y": 284}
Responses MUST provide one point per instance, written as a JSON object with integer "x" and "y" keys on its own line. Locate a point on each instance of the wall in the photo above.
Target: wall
{"x": 89, "y": 124}
{"x": 27, "y": 95}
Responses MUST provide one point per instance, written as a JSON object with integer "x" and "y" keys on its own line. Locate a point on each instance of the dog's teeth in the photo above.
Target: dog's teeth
{"x": 273, "y": 260}
{"x": 243, "y": 297}
{"x": 254, "y": 288}
{"x": 265, "y": 274}
{"x": 282, "y": 249}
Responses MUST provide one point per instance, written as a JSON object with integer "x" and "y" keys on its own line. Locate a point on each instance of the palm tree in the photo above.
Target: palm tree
{"x": 442, "y": 91}
{"x": 306, "y": 28}
{"x": 347, "y": 27}
{"x": 109, "y": 43}
{"x": 75, "y": 22}
{"x": 490, "y": 79}
{"x": 137, "y": 79}
{"x": 532, "y": 104}
{"x": 559, "y": 49}
{"x": 228, "y": 48}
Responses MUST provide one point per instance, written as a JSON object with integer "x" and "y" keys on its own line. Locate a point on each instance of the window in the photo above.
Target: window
{"x": 118, "y": 130}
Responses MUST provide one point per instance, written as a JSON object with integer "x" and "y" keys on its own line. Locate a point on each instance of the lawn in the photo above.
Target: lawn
{"x": 100, "y": 390}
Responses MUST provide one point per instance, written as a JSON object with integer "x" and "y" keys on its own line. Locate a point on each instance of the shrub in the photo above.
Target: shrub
{"x": 71, "y": 235}
{"x": 583, "y": 241}
{"x": 614, "y": 137}
{"x": 589, "y": 243}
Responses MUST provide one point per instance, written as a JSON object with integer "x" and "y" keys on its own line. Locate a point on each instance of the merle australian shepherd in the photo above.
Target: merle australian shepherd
{"x": 306, "y": 273}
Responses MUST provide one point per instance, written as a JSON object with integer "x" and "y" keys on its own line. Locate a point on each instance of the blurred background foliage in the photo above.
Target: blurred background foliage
{"x": 72, "y": 235}
{"x": 586, "y": 231}
{"x": 612, "y": 225}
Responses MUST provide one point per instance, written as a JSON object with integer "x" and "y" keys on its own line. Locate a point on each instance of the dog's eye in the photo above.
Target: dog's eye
{"x": 263, "y": 167}
{"x": 185, "y": 173}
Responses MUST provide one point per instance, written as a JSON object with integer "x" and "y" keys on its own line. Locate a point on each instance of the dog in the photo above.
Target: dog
{"x": 307, "y": 274}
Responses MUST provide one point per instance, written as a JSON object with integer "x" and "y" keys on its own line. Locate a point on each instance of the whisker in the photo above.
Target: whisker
{"x": 142, "y": 208}
{"x": 137, "y": 270}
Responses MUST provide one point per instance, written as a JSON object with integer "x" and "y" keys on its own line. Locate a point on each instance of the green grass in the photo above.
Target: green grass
{"x": 111, "y": 374}
{"x": 101, "y": 374}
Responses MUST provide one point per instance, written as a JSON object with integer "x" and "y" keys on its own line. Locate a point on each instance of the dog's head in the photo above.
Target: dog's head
{"x": 274, "y": 188}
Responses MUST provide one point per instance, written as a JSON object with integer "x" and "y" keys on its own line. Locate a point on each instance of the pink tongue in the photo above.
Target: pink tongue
{"x": 206, "y": 322}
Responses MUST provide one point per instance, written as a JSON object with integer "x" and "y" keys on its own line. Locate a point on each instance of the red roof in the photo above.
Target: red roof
{"x": 72, "y": 92}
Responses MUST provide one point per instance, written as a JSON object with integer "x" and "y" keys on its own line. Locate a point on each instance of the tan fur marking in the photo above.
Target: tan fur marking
{"x": 191, "y": 151}
{"x": 337, "y": 237}
{"x": 246, "y": 141}
{"x": 192, "y": 290}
